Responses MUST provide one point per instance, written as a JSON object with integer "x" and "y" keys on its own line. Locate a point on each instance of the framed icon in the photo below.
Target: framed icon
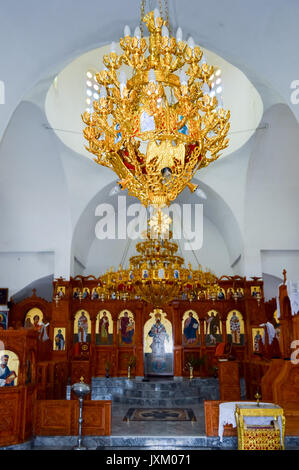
{"x": 3, "y": 296}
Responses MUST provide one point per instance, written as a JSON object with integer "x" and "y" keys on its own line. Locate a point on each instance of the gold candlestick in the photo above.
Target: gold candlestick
{"x": 257, "y": 396}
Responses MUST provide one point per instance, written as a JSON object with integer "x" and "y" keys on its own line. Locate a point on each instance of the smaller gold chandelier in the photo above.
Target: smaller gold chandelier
{"x": 156, "y": 127}
{"x": 157, "y": 275}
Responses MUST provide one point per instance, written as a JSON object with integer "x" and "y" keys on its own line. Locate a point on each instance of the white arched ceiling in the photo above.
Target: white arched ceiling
{"x": 66, "y": 100}
{"x": 222, "y": 242}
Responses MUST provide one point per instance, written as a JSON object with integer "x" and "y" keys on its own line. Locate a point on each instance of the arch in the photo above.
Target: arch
{"x": 18, "y": 311}
{"x": 104, "y": 328}
{"x": 190, "y": 329}
{"x": 29, "y": 318}
{"x": 126, "y": 328}
{"x": 235, "y": 327}
{"x": 10, "y": 373}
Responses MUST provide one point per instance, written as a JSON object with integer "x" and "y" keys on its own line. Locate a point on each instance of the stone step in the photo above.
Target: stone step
{"x": 155, "y": 391}
{"x": 152, "y": 402}
{"x": 158, "y": 393}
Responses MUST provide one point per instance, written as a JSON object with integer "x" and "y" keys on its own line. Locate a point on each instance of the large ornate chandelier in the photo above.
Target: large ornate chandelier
{"x": 157, "y": 275}
{"x": 155, "y": 123}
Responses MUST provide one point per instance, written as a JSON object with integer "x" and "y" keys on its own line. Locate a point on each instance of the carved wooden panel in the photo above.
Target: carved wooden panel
{"x": 60, "y": 418}
{"x": 103, "y": 355}
{"x": 268, "y": 379}
{"x": 28, "y": 403}
{"x": 286, "y": 386}
{"x": 54, "y": 417}
{"x": 253, "y": 373}
{"x": 229, "y": 380}
{"x": 178, "y": 361}
{"x": 96, "y": 418}
{"x": 80, "y": 369}
{"x": 187, "y": 355}
{"x": 123, "y": 359}
{"x": 10, "y": 412}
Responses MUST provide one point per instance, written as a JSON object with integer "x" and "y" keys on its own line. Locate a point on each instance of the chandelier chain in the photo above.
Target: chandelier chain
{"x": 142, "y": 13}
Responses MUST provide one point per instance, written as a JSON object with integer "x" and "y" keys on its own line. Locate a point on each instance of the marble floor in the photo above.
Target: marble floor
{"x": 157, "y": 428}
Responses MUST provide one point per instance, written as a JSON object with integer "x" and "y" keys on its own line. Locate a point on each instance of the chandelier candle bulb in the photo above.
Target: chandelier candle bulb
{"x": 179, "y": 35}
{"x": 165, "y": 32}
{"x": 156, "y": 15}
{"x": 103, "y": 92}
{"x": 127, "y": 31}
{"x": 205, "y": 89}
{"x": 113, "y": 47}
{"x": 137, "y": 32}
{"x": 191, "y": 43}
{"x": 203, "y": 59}
{"x": 123, "y": 77}
{"x": 183, "y": 78}
{"x": 151, "y": 76}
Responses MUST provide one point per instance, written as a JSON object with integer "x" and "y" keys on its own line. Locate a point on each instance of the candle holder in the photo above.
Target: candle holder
{"x": 257, "y": 396}
{"x": 80, "y": 389}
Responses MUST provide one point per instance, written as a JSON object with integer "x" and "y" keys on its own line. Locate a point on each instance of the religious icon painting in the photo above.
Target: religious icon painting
{"x": 176, "y": 274}
{"x": 255, "y": 290}
{"x": 82, "y": 327}
{"x": 235, "y": 328}
{"x": 158, "y": 345}
{"x": 230, "y": 293}
{"x": 145, "y": 274}
{"x": 213, "y": 328}
{"x": 60, "y": 291}
{"x": 34, "y": 319}
{"x": 190, "y": 329}
{"x": 9, "y": 368}
{"x": 94, "y": 294}
{"x": 257, "y": 339}
{"x": 104, "y": 328}
{"x": 76, "y": 293}
{"x": 126, "y": 328}
{"x": 240, "y": 292}
{"x": 3, "y": 296}
{"x": 221, "y": 294}
{"x": 59, "y": 339}
{"x": 86, "y": 293}
{"x": 3, "y": 320}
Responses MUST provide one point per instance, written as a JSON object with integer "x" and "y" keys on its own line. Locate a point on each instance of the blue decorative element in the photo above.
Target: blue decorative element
{"x": 118, "y": 137}
{"x": 184, "y": 130}
{"x": 161, "y": 273}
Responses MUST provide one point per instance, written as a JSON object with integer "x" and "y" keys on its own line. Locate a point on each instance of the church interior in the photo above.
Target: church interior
{"x": 149, "y": 242}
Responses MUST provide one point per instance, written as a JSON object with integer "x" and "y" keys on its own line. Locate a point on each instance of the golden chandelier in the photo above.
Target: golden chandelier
{"x": 158, "y": 126}
{"x": 157, "y": 275}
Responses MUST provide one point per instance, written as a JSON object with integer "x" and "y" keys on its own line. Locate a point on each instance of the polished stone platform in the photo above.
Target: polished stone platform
{"x": 156, "y": 392}
{"x": 147, "y": 443}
